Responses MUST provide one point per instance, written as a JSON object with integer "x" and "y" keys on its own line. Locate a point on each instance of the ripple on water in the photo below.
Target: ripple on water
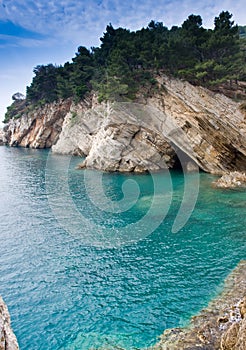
{"x": 63, "y": 294}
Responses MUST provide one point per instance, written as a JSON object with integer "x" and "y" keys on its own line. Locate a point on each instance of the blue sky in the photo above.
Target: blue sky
{"x": 36, "y": 32}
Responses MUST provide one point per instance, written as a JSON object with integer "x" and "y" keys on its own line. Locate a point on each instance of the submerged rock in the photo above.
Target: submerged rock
{"x": 7, "y": 338}
{"x": 231, "y": 180}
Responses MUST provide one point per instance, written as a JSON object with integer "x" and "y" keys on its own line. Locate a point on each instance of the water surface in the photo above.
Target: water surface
{"x": 64, "y": 293}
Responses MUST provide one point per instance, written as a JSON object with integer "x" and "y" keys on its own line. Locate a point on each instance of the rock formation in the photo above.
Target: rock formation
{"x": 7, "y": 338}
{"x": 209, "y": 128}
{"x": 39, "y": 128}
{"x": 2, "y": 137}
{"x": 231, "y": 180}
{"x": 221, "y": 326}
{"x": 201, "y": 126}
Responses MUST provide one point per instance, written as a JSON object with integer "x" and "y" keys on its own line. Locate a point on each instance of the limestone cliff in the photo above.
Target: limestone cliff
{"x": 39, "y": 128}
{"x": 2, "y": 137}
{"x": 112, "y": 140}
{"x": 205, "y": 127}
{"x": 7, "y": 338}
{"x": 209, "y": 128}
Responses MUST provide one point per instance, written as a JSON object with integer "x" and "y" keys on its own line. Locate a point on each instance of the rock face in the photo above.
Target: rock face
{"x": 231, "y": 180}
{"x": 117, "y": 148}
{"x": 2, "y": 138}
{"x": 7, "y": 338}
{"x": 206, "y": 128}
{"x": 209, "y": 128}
{"x": 39, "y": 128}
{"x": 214, "y": 125}
{"x": 221, "y": 326}
{"x": 111, "y": 142}
{"x": 235, "y": 336}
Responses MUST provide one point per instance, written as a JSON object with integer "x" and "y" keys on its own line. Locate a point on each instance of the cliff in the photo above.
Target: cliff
{"x": 7, "y": 338}
{"x": 178, "y": 121}
{"x": 221, "y": 326}
{"x": 39, "y": 128}
{"x": 2, "y": 137}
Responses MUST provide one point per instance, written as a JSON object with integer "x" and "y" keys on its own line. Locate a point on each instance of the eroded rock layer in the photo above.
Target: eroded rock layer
{"x": 2, "y": 137}
{"x": 149, "y": 134}
{"x": 39, "y": 128}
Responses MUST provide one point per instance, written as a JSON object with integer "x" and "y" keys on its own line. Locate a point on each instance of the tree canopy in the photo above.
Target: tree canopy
{"x": 128, "y": 61}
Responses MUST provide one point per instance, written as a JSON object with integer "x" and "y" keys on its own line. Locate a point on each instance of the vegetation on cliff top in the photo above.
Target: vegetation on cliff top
{"x": 128, "y": 61}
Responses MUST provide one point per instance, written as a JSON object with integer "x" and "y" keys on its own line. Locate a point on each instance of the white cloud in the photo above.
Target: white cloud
{"x": 82, "y": 22}
{"x": 15, "y": 41}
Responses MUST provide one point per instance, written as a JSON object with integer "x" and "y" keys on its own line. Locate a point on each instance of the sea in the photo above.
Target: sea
{"x": 96, "y": 260}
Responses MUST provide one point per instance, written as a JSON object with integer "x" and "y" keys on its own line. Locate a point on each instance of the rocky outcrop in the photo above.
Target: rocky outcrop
{"x": 39, "y": 128}
{"x": 180, "y": 120}
{"x": 221, "y": 326}
{"x": 231, "y": 180}
{"x": 214, "y": 125}
{"x": 117, "y": 148}
{"x": 209, "y": 128}
{"x": 2, "y": 137}
{"x": 234, "y": 338}
{"x": 7, "y": 338}
{"x": 111, "y": 142}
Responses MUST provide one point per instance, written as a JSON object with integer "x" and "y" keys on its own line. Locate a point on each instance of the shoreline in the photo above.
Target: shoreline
{"x": 217, "y": 325}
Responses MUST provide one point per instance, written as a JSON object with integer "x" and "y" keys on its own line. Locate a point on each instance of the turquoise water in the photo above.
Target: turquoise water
{"x": 64, "y": 292}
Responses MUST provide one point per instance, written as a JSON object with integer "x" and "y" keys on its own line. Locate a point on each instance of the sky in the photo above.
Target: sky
{"x": 34, "y": 32}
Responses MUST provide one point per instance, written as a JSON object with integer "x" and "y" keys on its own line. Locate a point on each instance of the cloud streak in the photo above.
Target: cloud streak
{"x": 12, "y": 35}
{"x": 75, "y": 20}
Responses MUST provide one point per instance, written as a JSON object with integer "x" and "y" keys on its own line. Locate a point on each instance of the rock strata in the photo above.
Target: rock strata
{"x": 3, "y": 139}
{"x": 39, "y": 128}
{"x": 7, "y": 338}
{"x": 221, "y": 326}
{"x": 206, "y": 128}
{"x": 117, "y": 148}
{"x": 209, "y": 128}
{"x": 111, "y": 142}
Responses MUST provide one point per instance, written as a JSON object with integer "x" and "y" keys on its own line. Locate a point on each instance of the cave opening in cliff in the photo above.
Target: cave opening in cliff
{"x": 182, "y": 161}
